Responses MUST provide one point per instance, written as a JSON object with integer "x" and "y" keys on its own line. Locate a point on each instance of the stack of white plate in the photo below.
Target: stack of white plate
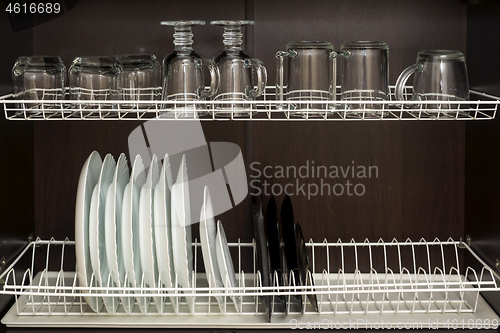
{"x": 133, "y": 231}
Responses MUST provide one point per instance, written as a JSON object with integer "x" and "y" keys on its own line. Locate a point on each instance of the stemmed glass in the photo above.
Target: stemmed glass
{"x": 183, "y": 77}
{"x": 235, "y": 66}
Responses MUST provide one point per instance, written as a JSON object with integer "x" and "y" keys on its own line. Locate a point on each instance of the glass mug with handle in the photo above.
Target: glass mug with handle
{"x": 441, "y": 76}
{"x": 307, "y": 71}
{"x": 39, "y": 78}
{"x": 183, "y": 74}
{"x": 236, "y": 67}
{"x": 364, "y": 73}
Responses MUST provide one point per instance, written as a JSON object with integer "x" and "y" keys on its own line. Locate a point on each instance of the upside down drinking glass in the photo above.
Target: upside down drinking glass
{"x": 441, "y": 76}
{"x": 235, "y": 66}
{"x": 39, "y": 78}
{"x": 96, "y": 78}
{"x": 140, "y": 78}
{"x": 364, "y": 72}
{"x": 307, "y": 70}
{"x": 183, "y": 77}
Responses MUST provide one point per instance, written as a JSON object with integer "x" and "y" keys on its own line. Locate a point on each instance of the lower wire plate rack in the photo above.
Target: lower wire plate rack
{"x": 481, "y": 106}
{"x": 356, "y": 285}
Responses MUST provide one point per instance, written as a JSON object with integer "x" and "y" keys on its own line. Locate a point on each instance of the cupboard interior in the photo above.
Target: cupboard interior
{"x": 435, "y": 179}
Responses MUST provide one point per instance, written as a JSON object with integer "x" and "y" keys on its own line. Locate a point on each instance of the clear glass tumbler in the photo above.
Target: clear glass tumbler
{"x": 141, "y": 79}
{"x": 364, "y": 74}
{"x": 39, "y": 78}
{"x": 306, "y": 72}
{"x": 183, "y": 74}
{"x": 441, "y": 76}
{"x": 96, "y": 78}
{"x": 237, "y": 70}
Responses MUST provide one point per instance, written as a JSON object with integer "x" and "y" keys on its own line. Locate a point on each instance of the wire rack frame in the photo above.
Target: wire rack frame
{"x": 403, "y": 288}
{"x": 482, "y": 106}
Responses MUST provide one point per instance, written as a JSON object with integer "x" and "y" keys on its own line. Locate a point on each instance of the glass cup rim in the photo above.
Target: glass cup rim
{"x": 364, "y": 44}
{"x": 306, "y": 44}
{"x": 441, "y": 54}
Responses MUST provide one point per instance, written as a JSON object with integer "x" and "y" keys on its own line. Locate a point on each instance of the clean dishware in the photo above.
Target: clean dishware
{"x": 307, "y": 70}
{"x": 130, "y": 233}
{"x": 39, "y": 78}
{"x": 113, "y": 226}
{"x": 440, "y": 76}
{"x": 208, "y": 235}
{"x": 364, "y": 76}
{"x": 291, "y": 251}
{"x": 98, "y": 233}
{"x": 89, "y": 177}
{"x": 276, "y": 253}
{"x": 182, "y": 243}
{"x": 235, "y": 66}
{"x": 97, "y": 237}
{"x": 163, "y": 231}
{"x": 140, "y": 79}
{"x": 225, "y": 263}
{"x": 96, "y": 276}
{"x": 147, "y": 230}
{"x": 183, "y": 75}
{"x": 305, "y": 275}
{"x": 262, "y": 250}
{"x": 94, "y": 79}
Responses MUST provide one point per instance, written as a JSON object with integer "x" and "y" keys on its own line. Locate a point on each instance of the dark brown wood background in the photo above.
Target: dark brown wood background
{"x": 419, "y": 191}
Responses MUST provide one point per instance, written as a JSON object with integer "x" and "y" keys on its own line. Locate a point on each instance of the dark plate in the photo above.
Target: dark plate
{"x": 263, "y": 260}
{"x": 306, "y": 278}
{"x": 276, "y": 253}
{"x": 291, "y": 249}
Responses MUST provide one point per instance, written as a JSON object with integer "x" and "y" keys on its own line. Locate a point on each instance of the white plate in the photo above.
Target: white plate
{"x": 226, "y": 267}
{"x": 208, "y": 234}
{"x": 146, "y": 230}
{"x": 113, "y": 224}
{"x": 97, "y": 238}
{"x": 89, "y": 177}
{"x": 163, "y": 230}
{"x": 181, "y": 232}
{"x": 130, "y": 231}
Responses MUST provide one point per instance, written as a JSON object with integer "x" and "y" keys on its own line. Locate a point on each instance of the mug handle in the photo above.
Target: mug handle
{"x": 333, "y": 79}
{"x": 261, "y": 72}
{"x": 280, "y": 75}
{"x": 214, "y": 78}
{"x": 401, "y": 82}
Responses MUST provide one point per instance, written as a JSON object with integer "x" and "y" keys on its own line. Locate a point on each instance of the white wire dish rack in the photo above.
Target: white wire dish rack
{"x": 355, "y": 283}
{"x": 480, "y": 106}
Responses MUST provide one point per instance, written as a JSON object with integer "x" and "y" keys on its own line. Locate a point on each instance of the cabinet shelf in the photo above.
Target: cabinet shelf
{"x": 480, "y": 107}
{"x": 420, "y": 282}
